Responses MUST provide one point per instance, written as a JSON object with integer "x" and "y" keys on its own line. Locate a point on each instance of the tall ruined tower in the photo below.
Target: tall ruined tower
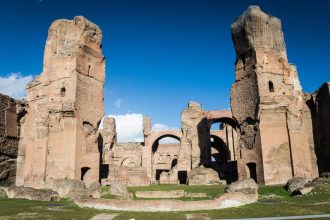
{"x": 65, "y": 106}
{"x": 267, "y": 101}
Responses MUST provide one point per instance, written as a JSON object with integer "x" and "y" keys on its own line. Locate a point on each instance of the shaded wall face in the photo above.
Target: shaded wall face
{"x": 8, "y": 140}
{"x": 322, "y": 127}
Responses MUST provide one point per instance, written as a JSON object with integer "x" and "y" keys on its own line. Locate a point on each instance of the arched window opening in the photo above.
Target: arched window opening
{"x": 84, "y": 171}
{"x": 271, "y": 86}
{"x": 62, "y": 92}
{"x": 252, "y": 171}
{"x": 165, "y": 151}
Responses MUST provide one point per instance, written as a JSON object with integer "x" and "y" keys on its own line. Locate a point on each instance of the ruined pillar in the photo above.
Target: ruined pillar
{"x": 147, "y": 151}
{"x": 109, "y": 139}
{"x": 267, "y": 101}
{"x": 65, "y": 106}
{"x": 195, "y": 137}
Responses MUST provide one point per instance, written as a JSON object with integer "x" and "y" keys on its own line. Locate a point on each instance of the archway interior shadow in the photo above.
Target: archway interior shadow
{"x": 154, "y": 148}
{"x": 220, "y": 159}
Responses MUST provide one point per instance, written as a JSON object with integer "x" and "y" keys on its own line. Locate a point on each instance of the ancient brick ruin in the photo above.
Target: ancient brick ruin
{"x": 59, "y": 135}
{"x": 151, "y": 161}
{"x": 273, "y": 131}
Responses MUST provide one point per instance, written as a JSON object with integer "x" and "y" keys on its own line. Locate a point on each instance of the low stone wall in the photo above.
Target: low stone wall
{"x": 172, "y": 194}
{"x": 228, "y": 200}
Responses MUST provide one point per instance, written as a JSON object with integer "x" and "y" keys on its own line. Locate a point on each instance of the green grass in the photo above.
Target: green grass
{"x": 274, "y": 201}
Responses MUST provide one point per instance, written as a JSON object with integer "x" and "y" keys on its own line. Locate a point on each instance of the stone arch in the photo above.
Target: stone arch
{"x": 221, "y": 147}
{"x": 128, "y": 162}
{"x": 155, "y": 143}
{"x": 164, "y": 160}
{"x": 224, "y": 141}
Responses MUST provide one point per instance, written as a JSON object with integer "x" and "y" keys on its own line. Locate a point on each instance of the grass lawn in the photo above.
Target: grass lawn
{"x": 273, "y": 201}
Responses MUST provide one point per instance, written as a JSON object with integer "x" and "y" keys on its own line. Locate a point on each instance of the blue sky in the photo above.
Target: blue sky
{"x": 162, "y": 53}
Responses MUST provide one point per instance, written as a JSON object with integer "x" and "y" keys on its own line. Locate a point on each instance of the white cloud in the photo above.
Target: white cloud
{"x": 129, "y": 127}
{"x": 162, "y": 127}
{"x": 118, "y": 103}
{"x": 14, "y": 85}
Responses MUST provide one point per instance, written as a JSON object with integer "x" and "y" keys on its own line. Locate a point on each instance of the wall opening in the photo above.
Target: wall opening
{"x": 84, "y": 171}
{"x": 182, "y": 176}
{"x": 62, "y": 92}
{"x": 174, "y": 163}
{"x": 251, "y": 171}
{"x": 158, "y": 172}
{"x": 165, "y": 151}
{"x": 271, "y": 86}
{"x": 89, "y": 70}
{"x": 221, "y": 154}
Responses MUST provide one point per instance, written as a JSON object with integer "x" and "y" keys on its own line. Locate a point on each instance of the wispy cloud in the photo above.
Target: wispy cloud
{"x": 163, "y": 127}
{"x": 14, "y": 85}
{"x": 118, "y": 103}
{"x": 129, "y": 127}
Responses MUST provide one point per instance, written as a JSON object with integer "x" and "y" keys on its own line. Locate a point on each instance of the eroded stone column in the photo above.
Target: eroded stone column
{"x": 195, "y": 137}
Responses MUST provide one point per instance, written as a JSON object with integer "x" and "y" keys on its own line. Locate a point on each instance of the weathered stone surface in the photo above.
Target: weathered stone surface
{"x": 203, "y": 176}
{"x": 137, "y": 176}
{"x": 10, "y": 109}
{"x": 295, "y": 183}
{"x": 76, "y": 189}
{"x": 302, "y": 191}
{"x": 274, "y": 122}
{"x": 3, "y": 194}
{"x": 255, "y": 30}
{"x": 160, "y": 194}
{"x": 65, "y": 187}
{"x": 20, "y": 192}
{"x": 59, "y": 134}
{"x": 245, "y": 186}
{"x": 194, "y": 138}
{"x": 119, "y": 189}
{"x": 225, "y": 201}
{"x": 170, "y": 177}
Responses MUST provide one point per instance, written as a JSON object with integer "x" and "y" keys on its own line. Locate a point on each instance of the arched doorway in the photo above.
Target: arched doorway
{"x": 84, "y": 174}
{"x": 223, "y": 147}
{"x": 165, "y": 151}
{"x": 251, "y": 171}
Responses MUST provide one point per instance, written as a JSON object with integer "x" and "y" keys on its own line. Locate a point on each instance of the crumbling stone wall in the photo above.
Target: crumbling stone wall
{"x": 9, "y": 136}
{"x": 65, "y": 106}
{"x": 267, "y": 102}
